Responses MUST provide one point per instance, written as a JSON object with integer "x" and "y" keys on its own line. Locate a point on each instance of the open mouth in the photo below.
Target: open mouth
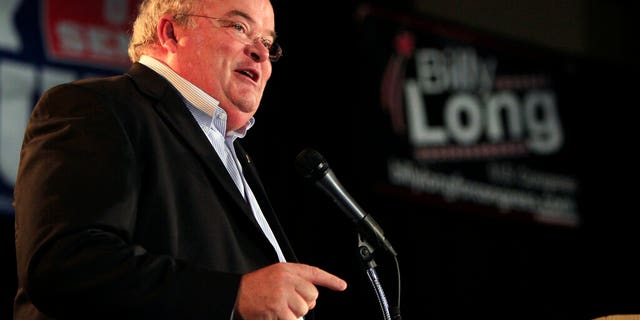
{"x": 249, "y": 74}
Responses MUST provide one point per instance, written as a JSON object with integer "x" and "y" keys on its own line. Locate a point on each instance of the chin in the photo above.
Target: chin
{"x": 247, "y": 106}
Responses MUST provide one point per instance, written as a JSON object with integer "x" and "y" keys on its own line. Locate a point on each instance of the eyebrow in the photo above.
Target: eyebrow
{"x": 246, "y": 16}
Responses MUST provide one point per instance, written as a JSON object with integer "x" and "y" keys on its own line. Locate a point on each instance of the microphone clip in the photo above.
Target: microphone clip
{"x": 366, "y": 253}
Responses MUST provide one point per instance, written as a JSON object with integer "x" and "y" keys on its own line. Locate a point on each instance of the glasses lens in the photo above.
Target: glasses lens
{"x": 275, "y": 52}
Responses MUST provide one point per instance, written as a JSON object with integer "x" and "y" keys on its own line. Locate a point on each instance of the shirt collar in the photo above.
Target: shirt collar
{"x": 197, "y": 97}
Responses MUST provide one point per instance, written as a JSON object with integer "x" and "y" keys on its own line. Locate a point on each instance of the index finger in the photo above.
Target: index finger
{"x": 323, "y": 278}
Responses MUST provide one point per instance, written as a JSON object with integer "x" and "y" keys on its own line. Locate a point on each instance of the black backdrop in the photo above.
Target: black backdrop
{"x": 454, "y": 265}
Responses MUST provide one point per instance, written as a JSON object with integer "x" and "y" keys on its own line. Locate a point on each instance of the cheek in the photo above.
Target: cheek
{"x": 203, "y": 47}
{"x": 266, "y": 72}
{"x": 205, "y": 59}
{"x": 202, "y": 50}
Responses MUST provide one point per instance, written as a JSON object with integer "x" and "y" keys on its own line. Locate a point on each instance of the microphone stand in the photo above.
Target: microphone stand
{"x": 365, "y": 252}
{"x": 310, "y": 164}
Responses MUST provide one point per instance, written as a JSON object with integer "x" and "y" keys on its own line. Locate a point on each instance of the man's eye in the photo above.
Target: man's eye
{"x": 238, "y": 27}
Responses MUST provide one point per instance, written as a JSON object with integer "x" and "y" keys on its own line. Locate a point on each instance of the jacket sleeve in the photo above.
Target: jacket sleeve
{"x": 76, "y": 207}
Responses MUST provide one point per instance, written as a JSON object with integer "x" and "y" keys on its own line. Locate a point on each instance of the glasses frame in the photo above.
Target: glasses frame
{"x": 274, "y": 49}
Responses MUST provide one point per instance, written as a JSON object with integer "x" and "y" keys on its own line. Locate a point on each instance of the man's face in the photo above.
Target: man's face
{"x": 219, "y": 58}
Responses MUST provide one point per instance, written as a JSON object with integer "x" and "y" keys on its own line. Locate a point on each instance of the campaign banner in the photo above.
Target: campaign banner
{"x": 92, "y": 32}
{"x": 468, "y": 121}
{"x": 47, "y": 42}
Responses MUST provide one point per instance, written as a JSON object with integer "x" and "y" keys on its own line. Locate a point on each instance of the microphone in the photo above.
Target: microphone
{"x": 311, "y": 165}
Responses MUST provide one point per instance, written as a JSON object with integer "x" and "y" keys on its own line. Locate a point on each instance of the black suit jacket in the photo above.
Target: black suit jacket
{"x": 124, "y": 210}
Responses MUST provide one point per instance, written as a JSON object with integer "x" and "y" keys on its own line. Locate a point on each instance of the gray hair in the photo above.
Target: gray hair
{"x": 146, "y": 24}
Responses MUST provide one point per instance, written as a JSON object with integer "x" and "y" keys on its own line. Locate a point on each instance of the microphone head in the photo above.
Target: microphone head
{"x": 311, "y": 164}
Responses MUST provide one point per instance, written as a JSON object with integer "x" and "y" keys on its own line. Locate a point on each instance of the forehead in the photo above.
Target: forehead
{"x": 258, "y": 12}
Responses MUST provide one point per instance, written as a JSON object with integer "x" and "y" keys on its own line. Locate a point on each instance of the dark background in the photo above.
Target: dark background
{"x": 454, "y": 265}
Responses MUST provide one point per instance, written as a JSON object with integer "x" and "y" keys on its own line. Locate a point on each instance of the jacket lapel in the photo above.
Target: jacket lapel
{"x": 174, "y": 112}
{"x": 251, "y": 174}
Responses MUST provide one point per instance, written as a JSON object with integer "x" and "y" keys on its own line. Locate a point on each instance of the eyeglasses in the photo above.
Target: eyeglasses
{"x": 245, "y": 34}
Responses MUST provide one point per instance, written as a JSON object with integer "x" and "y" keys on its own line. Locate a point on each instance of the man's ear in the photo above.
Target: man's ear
{"x": 166, "y": 34}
